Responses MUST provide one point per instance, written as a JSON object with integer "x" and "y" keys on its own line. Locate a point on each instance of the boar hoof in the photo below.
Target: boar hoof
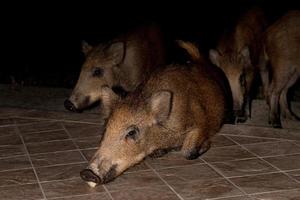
{"x": 193, "y": 154}
{"x": 158, "y": 153}
{"x": 241, "y": 119}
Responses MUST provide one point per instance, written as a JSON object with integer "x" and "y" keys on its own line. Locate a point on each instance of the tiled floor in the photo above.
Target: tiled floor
{"x": 41, "y": 154}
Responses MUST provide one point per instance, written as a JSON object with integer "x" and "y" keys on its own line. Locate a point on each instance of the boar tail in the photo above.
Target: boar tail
{"x": 192, "y": 50}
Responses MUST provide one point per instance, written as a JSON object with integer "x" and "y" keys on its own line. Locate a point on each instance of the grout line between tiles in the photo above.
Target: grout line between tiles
{"x": 227, "y": 179}
{"x": 59, "y": 120}
{"x": 73, "y": 142}
{"x": 76, "y": 195}
{"x": 275, "y": 191}
{"x": 107, "y": 191}
{"x": 29, "y": 158}
{"x": 165, "y": 182}
{"x": 45, "y": 131}
{"x": 262, "y": 159}
{"x": 220, "y": 198}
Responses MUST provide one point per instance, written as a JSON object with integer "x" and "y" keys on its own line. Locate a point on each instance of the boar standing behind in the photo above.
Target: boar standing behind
{"x": 122, "y": 63}
{"x": 237, "y": 54}
{"x": 180, "y": 106}
{"x": 282, "y": 52}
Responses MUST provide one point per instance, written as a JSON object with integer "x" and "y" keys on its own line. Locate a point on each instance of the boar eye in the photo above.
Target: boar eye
{"x": 98, "y": 72}
{"x": 132, "y": 133}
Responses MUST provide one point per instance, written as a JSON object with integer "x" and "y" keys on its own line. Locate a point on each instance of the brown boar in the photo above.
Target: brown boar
{"x": 122, "y": 63}
{"x": 282, "y": 52}
{"x": 237, "y": 54}
{"x": 179, "y": 106}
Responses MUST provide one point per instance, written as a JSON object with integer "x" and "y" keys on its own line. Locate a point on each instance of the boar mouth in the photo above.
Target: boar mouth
{"x": 110, "y": 175}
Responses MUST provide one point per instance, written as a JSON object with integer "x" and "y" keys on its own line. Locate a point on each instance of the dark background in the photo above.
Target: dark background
{"x": 41, "y": 42}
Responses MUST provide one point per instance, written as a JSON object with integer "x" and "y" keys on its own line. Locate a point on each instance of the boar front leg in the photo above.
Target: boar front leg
{"x": 284, "y": 107}
{"x": 195, "y": 144}
{"x": 264, "y": 75}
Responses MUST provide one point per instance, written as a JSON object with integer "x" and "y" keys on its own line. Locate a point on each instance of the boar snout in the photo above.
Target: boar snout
{"x": 89, "y": 176}
{"x": 70, "y": 106}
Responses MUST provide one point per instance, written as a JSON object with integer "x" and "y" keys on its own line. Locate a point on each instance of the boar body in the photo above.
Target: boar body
{"x": 237, "y": 54}
{"x": 282, "y": 52}
{"x": 122, "y": 63}
{"x": 180, "y": 106}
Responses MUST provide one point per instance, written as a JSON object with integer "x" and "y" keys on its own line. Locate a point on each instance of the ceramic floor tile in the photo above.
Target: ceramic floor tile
{"x": 12, "y": 150}
{"x": 243, "y": 167}
{"x": 16, "y": 162}
{"x": 265, "y": 183}
{"x": 78, "y": 130}
{"x": 205, "y": 189}
{"x": 88, "y": 153}
{"x": 17, "y": 177}
{"x": 162, "y": 193}
{"x": 20, "y": 121}
{"x": 221, "y": 140}
{"x": 21, "y": 192}
{"x": 295, "y": 174}
{"x": 45, "y": 136}
{"x": 47, "y": 147}
{"x": 41, "y": 160}
{"x": 40, "y": 126}
{"x": 188, "y": 173}
{"x": 98, "y": 196}
{"x": 282, "y": 195}
{"x": 226, "y": 154}
{"x": 68, "y": 188}
{"x": 231, "y": 198}
{"x": 244, "y": 130}
{"x": 6, "y": 121}
{"x": 88, "y": 142}
{"x": 285, "y": 162}
{"x": 134, "y": 180}
{"x": 9, "y": 139}
{"x": 250, "y": 140}
{"x": 60, "y": 172}
{"x": 172, "y": 159}
{"x": 273, "y": 148}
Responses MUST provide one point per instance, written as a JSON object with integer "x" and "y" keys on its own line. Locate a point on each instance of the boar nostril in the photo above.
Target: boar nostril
{"x": 90, "y": 176}
{"x": 70, "y": 106}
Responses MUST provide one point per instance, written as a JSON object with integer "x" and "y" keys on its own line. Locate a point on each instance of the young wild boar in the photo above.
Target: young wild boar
{"x": 180, "y": 106}
{"x": 122, "y": 63}
{"x": 237, "y": 54}
{"x": 282, "y": 51}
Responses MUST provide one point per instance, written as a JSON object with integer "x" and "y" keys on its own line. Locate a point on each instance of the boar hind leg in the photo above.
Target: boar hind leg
{"x": 195, "y": 144}
{"x": 279, "y": 83}
{"x": 284, "y": 107}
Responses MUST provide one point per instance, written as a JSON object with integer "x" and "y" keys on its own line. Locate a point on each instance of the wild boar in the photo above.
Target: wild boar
{"x": 122, "y": 63}
{"x": 237, "y": 54}
{"x": 179, "y": 106}
{"x": 282, "y": 52}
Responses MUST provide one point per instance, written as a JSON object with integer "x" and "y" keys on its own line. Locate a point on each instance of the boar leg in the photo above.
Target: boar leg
{"x": 279, "y": 82}
{"x": 264, "y": 75}
{"x": 195, "y": 144}
{"x": 284, "y": 107}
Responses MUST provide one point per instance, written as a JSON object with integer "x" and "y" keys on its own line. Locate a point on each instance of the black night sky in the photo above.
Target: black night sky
{"x": 41, "y": 42}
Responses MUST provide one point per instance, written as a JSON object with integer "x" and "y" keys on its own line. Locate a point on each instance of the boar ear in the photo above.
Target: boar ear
{"x": 116, "y": 51}
{"x": 214, "y": 57}
{"x": 245, "y": 54}
{"x": 160, "y": 105}
{"x": 85, "y": 47}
